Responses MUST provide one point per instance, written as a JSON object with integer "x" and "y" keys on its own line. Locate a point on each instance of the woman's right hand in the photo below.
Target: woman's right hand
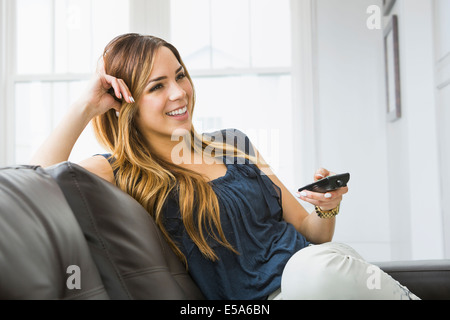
{"x": 94, "y": 102}
{"x": 98, "y": 98}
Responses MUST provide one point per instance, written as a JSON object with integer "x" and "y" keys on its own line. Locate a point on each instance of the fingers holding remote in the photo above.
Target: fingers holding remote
{"x": 322, "y": 173}
{"x": 326, "y": 201}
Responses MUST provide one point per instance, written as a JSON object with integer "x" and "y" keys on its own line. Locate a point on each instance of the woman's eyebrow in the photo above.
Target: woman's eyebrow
{"x": 164, "y": 77}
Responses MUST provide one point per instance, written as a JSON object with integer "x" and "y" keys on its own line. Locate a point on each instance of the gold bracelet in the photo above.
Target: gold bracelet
{"x": 327, "y": 214}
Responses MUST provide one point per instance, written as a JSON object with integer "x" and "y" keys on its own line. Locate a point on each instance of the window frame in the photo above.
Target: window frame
{"x": 10, "y": 78}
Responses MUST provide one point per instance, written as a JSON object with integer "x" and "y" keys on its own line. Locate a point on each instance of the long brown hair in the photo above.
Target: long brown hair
{"x": 146, "y": 177}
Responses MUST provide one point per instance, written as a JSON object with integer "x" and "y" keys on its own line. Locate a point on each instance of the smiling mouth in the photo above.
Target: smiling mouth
{"x": 178, "y": 112}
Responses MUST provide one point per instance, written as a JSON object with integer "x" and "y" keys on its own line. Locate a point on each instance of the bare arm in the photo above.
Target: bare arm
{"x": 58, "y": 146}
{"x": 315, "y": 229}
{"x": 95, "y": 101}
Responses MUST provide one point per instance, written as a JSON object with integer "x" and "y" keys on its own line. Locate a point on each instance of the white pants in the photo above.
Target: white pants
{"x": 334, "y": 271}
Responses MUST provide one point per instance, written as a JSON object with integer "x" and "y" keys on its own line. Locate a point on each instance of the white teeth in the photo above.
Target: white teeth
{"x": 177, "y": 112}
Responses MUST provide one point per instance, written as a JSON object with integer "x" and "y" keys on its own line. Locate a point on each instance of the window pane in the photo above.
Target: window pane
{"x": 72, "y": 36}
{"x": 34, "y": 36}
{"x": 112, "y": 18}
{"x": 32, "y": 117}
{"x": 190, "y": 31}
{"x": 83, "y": 28}
{"x": 233, "y": 33}
{"x": 270, "y": 33}
{"x": 39, "y": 107}
{"x": 230, "y": 33}
{"x": 77, "y": 31}
{"x": 260, "y": 106}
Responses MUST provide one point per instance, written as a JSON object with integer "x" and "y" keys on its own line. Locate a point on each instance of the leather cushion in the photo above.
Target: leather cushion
{"x": 428, "y": 279}
{"x": 40, "y": 240}
{"x": 134, "y": 260}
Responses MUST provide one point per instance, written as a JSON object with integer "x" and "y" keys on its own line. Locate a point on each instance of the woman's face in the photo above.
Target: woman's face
{"x": 165, "y": 107}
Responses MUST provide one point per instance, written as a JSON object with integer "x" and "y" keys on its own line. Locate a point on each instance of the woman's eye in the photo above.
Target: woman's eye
{"x": 181, "y": 76}
{"x": 157, "y": 87}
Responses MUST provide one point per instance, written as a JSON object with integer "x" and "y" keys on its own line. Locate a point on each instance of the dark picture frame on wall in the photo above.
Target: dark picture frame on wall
{"x": 387, "y": 6}
{"x": 392, "y": 66}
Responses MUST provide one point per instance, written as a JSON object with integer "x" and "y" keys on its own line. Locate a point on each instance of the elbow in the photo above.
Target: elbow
{"x": 321, "y": 238}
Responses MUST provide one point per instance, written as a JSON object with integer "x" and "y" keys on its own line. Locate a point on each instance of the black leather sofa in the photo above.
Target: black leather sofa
{"x": 67, "y": 234}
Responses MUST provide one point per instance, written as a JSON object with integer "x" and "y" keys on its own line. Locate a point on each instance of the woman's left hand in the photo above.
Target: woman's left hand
{"x": 325, "y": 201}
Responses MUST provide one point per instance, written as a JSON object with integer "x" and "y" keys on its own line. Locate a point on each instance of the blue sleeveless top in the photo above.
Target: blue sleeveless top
{"x": 252, "y": 220}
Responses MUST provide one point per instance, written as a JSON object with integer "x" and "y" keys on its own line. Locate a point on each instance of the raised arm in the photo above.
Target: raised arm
{"x": 95, "y": 101}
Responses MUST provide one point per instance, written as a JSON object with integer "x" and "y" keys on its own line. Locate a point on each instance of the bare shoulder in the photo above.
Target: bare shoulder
{"x": 100, "y": 166}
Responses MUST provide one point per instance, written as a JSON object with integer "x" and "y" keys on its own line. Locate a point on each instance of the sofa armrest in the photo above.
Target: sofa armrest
{"x": 428, "y": 279}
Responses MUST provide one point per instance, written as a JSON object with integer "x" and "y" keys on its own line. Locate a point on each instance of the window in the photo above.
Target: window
{"x": 58, "y": 43}
{"x": 238, "y": 53}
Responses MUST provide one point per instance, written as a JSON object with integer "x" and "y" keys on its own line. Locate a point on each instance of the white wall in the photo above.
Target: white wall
{"x": 351, "y": 121}
{"x": 417, "y": 130}
{"x": 442, "y": 67}
{"x": 393, "y": 209}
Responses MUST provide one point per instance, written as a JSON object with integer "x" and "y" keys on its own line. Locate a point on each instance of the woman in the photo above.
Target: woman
{"x": 218, "y": 205}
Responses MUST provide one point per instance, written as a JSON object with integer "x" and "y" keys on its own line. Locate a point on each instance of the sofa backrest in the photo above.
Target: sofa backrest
{"x": 41, "y": 243}
{"x": 133, "y": 258}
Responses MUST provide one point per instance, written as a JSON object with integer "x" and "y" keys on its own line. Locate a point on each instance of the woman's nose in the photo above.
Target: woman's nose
{"x": 176, "y": 92}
